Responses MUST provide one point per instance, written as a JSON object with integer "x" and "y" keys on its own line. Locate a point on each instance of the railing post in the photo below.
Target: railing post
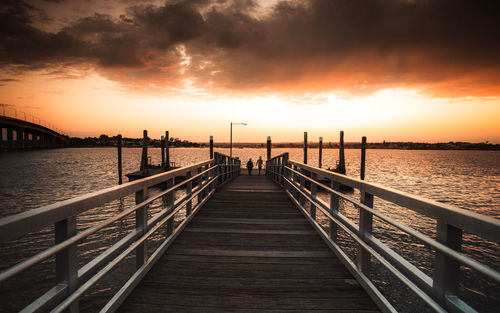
{"x": 226, "y": 168}
{"x": 169, "y": 201}
{"x": 281, "y": 169}
{"x": 365, "y": 230}
{"x": 447, "y": 271}
{"x": 285, "y": 171}
{"x": 199, "y": 182}
{"x": 141, "y": 220}
{"x": 216, "y": 171}
{"x": 302, "y": 199}
{"x": 295, "y": 181}
{"x": 334, "y": 210}
{"x": 275, "y": 169}
{"x": 189, "y": 192}
{"x": 314, "y": 191}
{"x": 66, "y": 260}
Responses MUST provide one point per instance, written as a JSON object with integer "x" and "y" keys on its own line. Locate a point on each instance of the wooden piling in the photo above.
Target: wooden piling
{"x": 305, "y": 147}
{"x": 363, "y": 158}
{"x": 119, "y": 146}
{"x": 167, "y": 151}
{"x": 268, "y": 147}
{"x": 162, "y": 147}
{"x": 341, "y": 154}
{"x": 211, "y": 147}
{"x": 144, "y": 157}
{"x": 320, "y": 153}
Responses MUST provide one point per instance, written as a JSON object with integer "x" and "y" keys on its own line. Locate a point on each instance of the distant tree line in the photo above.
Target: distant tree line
{"x": 106, "y": 141}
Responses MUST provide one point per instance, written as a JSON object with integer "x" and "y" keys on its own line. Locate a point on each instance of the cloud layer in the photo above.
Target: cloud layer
{"x": 445, "y": 47}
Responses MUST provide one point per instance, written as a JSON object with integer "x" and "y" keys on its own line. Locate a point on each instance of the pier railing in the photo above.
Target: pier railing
{"x": 72, "y": 282}
{"x": 440, "y": 292}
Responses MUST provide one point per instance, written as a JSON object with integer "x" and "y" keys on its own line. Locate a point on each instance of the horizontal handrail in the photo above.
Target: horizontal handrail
{"x": 301, "y": 182}
{"x": 484, "y": 226}
{"x": 429, "y": 241}
{"x": 361, "y": 242}
{"x": 207, "y": 174}
{"x": 20, "y": 267}
{"x": 115, "y": 262}
{"x": 16, "y": 225}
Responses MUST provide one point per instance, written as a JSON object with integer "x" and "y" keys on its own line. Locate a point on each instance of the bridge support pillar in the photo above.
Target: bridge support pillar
{"x": 43, "y": 141}
{"x": 19, "y": 138}
{"x": 26, "y": 136}
{"x": 10, "y": 139}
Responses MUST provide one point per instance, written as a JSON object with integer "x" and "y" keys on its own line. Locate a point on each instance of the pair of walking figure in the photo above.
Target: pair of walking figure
{"x": 250, "y": 165}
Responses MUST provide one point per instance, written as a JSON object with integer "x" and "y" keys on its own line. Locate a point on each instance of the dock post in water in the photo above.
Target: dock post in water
{"x": 167, "y": 151}
{"x": 363, "y": 158}
{"x": 305, "y": 147}
{"x": 268, "y": 147}
{"x": 144, "y": 158}
{"x": 119, "y": 146}
{"x": 320, "y": 153}
{"x": 341, "y": 154}
{"x": 162, "y": 147}
{"x": 211, "y": 147}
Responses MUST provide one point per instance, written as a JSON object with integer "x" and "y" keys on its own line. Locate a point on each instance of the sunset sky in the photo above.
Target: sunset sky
{"x": 396, "y": 70}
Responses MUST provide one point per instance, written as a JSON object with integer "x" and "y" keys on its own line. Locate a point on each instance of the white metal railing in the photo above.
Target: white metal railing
{"x": 439, "y": 292}
{"x": 72, "y": 281}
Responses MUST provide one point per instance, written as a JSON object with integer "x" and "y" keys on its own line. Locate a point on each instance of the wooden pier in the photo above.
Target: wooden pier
{"x": 249, "y": 249}
{"x": 227, "y": 242}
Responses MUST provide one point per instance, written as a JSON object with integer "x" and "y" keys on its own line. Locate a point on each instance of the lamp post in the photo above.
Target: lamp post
{"x": 231, "y": 138}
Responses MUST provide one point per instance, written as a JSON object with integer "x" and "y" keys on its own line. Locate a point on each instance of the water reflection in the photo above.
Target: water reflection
{"x": 467, "y": 179}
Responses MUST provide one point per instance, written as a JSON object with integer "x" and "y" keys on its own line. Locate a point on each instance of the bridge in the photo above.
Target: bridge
{"x": 228, "y": 242}
{"x": 25, "y": 135}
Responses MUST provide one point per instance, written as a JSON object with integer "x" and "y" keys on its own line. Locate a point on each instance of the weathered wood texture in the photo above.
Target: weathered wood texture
{"x": 249, "y": 250}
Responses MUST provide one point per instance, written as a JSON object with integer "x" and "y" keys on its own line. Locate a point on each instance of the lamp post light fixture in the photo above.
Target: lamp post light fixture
{"x": 231, "y": 138}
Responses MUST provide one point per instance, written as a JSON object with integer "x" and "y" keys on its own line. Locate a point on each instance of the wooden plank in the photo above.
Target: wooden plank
{"x": 251, "y": 231}
{"x": 178, "y": 256}
{"x": 197, "y": 307}
{"x": 249, "y": 250}
{"x": 258, "y": 253}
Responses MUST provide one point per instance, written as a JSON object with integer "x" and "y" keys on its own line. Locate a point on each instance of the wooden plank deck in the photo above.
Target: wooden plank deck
{"x": 249, "y": 250}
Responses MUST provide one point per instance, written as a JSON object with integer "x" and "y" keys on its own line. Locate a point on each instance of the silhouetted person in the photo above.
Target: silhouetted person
{"x": 250, "y": 166}
{"x": 259, "y": 164}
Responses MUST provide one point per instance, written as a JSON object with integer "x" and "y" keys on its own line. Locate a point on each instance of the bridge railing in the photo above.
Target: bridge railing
{"x": 439, "y": 292}
{"x": 73, "y": 282}
{"x": 14, "y": 113}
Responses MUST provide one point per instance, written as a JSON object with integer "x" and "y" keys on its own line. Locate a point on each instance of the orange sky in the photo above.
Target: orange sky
{"x": 212, "y": 64}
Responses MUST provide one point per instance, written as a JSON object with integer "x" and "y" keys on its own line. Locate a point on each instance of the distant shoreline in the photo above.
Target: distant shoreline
{"x": 104, "y": 141}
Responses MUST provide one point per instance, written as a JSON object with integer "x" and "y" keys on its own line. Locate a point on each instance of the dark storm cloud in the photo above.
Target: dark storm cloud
{"x": 316, "y": 45}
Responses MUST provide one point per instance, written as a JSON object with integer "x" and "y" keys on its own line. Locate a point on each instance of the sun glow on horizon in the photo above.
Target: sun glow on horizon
{"x": 92, "y": 105}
